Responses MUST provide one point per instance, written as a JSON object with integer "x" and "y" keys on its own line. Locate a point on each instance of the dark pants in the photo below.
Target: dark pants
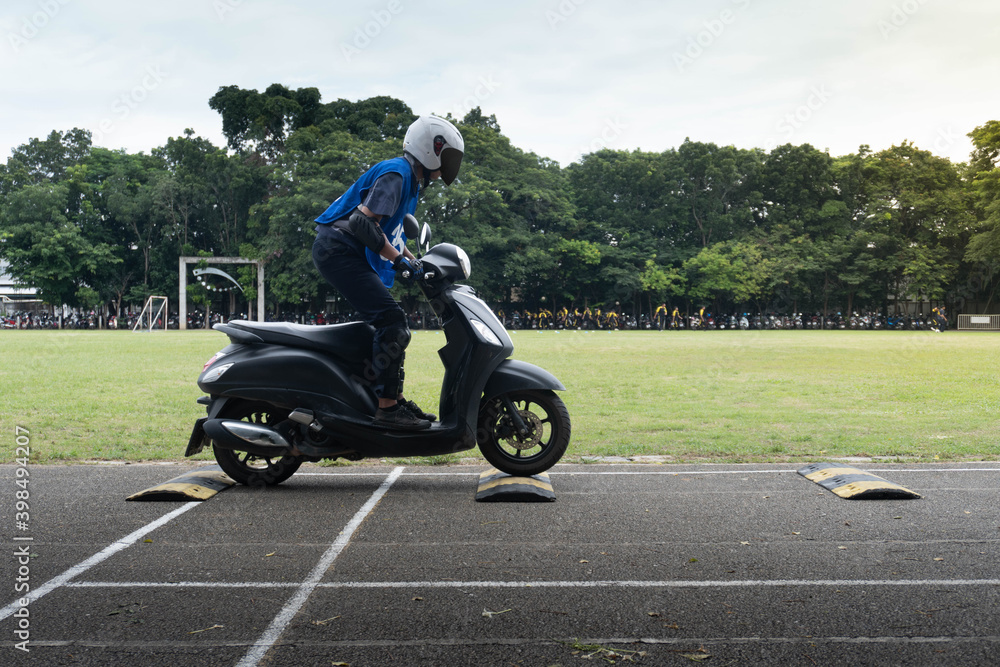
{"x": 340, "y": 258}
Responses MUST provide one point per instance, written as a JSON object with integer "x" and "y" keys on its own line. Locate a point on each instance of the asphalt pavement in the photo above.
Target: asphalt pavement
{"x": 632, "y": 564}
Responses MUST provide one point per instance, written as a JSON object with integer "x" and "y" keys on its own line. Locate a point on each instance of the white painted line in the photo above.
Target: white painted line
{"x": 753, "y": 583}
{"x": 104, "y": 554}
{"x": 673, "y": 473}
{"x": 932, "y": 469}
{"x": 288, "y": 612}
{"x": 382, "y": 474}
{"x": 182, "y": 584}
{"x": 553, "y": 473}
{"x": 741, "y": 583}
{"x": 334, "y": 645}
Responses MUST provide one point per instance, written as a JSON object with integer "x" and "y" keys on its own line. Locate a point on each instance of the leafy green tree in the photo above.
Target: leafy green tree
{"x": 375, "y": 119}
{"x": 916, "y": 216}
{"x": 618, "y": 194}
{"x": 789, "y": 228}
{"x": 803, "y": 223}
{"x": 983, "y": 250}
{"x": 44, "y": 160}
{"x": 660, "y": 283}
{"x": 714, "y": 186}
{"x": 984, "y": 247}
{"x": 731, "y": 269}
{"x": 47, "y": 249}
{"x": 260, "y": 122}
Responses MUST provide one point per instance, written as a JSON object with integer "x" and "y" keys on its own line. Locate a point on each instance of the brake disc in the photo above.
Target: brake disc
{"x": 534, "y": 437}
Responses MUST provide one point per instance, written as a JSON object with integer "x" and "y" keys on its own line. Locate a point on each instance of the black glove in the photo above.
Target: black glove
{"x": 408, "y": 269}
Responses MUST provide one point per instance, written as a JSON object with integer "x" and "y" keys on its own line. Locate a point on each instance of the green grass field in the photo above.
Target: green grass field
{"x": 721, "y": 396}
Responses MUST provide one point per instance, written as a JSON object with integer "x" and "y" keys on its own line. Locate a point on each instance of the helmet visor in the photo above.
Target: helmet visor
{"x": 451, "y": 162}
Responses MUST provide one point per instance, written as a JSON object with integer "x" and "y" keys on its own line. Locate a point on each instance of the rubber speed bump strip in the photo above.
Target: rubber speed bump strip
{"x": 855, "y": 484}
{"x": 200, "y": 484}
{"x": 499, "y": 487}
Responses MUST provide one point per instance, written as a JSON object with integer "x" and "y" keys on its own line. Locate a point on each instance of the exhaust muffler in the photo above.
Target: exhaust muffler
{"x": 245, "y": 437}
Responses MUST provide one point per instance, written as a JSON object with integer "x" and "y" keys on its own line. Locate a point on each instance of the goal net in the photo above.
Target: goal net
{"x": 153, "y": 315}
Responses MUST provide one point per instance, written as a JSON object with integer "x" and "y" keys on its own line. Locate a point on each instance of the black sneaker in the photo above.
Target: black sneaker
{"x": 399, "y": 417}
{"x": 417, "y": 412}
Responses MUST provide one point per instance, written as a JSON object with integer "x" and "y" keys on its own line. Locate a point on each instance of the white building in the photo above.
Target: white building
{"x": 14, "y": 296}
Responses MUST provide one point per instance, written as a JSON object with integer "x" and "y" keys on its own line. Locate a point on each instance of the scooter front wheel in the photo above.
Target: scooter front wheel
{"x": 536, "y": 448}
{"x": 252, "y": 469}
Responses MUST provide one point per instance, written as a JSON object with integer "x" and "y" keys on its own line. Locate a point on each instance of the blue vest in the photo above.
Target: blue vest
{"x": 392, "y": 226}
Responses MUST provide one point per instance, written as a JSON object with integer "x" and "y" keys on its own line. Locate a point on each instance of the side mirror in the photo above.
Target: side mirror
{"x": 425, "y": 236}
{"x": 410, "y": 227}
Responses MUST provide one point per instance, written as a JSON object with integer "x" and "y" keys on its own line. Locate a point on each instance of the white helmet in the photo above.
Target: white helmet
{"x": 435, "y": 144}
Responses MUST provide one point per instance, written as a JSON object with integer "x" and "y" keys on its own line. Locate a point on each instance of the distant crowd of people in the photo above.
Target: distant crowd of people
{"x": 666, "y": 319}
{"x": 662, "y": 319}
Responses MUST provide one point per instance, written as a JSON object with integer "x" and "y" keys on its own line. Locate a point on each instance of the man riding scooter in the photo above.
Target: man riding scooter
{"x": 361, "y": 245}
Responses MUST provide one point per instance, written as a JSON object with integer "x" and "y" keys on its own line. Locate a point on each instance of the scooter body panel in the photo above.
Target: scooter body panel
{"x": 477, "y": 345}
{"x": 290, "y": 377}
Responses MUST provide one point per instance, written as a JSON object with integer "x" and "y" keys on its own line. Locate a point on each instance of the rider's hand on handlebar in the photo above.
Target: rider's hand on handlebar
{"x": 408, "y": 269}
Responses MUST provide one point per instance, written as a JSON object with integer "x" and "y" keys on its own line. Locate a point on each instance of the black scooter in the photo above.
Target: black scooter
{"x": 281, "y": 394}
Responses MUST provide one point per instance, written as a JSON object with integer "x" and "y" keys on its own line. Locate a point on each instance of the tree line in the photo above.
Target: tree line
{"x": 792, "y": 229}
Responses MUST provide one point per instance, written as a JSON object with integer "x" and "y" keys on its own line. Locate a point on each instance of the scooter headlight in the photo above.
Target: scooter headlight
{"x": 485, "y": 332}
{"x": 463, "y": 261}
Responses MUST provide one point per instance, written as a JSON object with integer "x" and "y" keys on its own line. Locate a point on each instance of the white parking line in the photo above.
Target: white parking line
{"x": 603, "y": 473}
{"x": 749, "y": 583}
{"x": 288, "y": 612}
{"x": 102, "y": 555}
{"x": 720, "y": 583}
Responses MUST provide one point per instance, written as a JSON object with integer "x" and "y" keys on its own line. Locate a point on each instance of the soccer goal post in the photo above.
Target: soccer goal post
{"x": 156, "y": 306}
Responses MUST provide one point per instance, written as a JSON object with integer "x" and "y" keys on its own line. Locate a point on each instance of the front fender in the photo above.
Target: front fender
{"x": 513, "y": 375}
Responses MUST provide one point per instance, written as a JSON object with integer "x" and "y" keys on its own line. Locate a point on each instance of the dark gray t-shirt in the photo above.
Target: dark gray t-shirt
{"x": 383, "y": 197}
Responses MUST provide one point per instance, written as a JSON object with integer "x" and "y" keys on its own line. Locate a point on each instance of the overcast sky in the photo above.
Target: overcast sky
{"x": 562, "y": 77}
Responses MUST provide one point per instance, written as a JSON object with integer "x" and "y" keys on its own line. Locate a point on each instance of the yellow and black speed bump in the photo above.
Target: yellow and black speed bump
{"x": 855, "y": 484}
{"x": 499, "y": 487}
{"x": 200, "y": 484}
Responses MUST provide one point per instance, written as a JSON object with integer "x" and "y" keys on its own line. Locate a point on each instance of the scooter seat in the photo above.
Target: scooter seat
{"x": 350, "y": 341}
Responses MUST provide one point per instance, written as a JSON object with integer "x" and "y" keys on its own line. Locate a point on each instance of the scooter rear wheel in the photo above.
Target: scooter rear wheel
{"x": 252, "y": 469}
{"x": 547, "y": 421}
